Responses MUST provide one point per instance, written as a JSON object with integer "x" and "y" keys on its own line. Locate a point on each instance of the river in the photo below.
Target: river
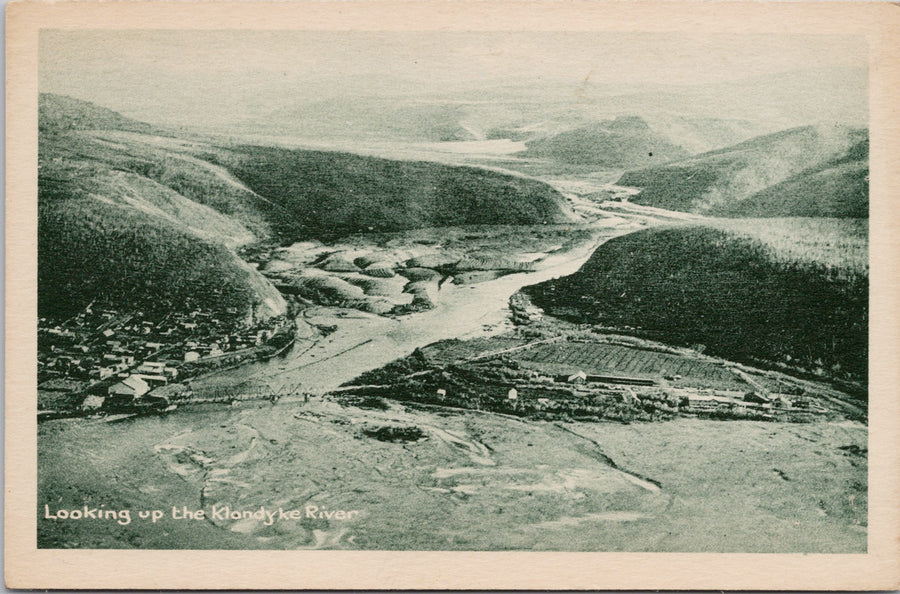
{"x": 363, "y": 342}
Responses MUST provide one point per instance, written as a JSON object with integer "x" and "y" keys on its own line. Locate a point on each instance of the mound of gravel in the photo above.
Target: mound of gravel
{"x": 422, "y": 293}
{"x": 421, "y": 274}
{"x": 276, "y": 266}
{"x": 432, "y": 261}
{"x": 375, "y": 286}
{"x": 327, "y": 290}
{"x": 380, "y": 270}
{"x": 338, "y": 263}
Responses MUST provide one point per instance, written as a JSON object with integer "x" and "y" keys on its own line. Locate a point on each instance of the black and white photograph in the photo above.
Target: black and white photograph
{"x": 452, "y": 290}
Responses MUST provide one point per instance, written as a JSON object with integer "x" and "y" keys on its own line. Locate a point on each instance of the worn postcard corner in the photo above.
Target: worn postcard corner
{"x": 417, "y": 295}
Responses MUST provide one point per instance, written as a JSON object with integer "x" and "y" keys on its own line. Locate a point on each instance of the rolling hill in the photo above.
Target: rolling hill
{"x": 110, "y": 234}
{"x": 93, "y": 249}
{"x": 328, "y": 194}
{"x": 622, "y": 143}
{"x": 746, "y": 293}
{"x": 806, "y": 171}
{"x": 836, "y": 188}
{"x": 129, "y": 209}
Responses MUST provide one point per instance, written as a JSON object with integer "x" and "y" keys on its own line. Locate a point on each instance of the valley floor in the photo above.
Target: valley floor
{"x": 444, "y": 479}
{"x": 472, "y": 481}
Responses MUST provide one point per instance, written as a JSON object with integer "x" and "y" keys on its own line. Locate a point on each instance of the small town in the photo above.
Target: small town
{"x": 106, "y": 360}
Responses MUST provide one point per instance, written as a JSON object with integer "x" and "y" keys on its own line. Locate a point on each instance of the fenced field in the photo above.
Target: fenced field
{"x": 619, "y": 360}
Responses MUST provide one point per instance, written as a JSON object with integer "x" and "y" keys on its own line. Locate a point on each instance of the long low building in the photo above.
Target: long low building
{"x": 616, "y": 379}
{"x": 582, "y": 377}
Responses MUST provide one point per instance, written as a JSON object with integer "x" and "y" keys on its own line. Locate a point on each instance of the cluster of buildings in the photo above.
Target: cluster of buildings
{"x": 585, "y": 393}
{"x": 113, "y": 354}
{"x": 692, "y": 400}
{"x": 700, "y": 401}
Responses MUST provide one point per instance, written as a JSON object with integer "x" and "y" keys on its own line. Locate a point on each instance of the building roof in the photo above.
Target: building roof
{"x": 133, "y": 382}
{"x": 93, "y": 402}
{"x": 152, "y": 377}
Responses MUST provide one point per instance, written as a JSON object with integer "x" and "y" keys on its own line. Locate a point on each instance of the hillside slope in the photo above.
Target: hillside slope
{"x": 625, "y": 142}
{"x": 836, "y": 188}
{"x": 798, "y": 172}
{"x": 129, "y": 242}
{"x": 93, "y": 249}
{"x": 59, "y": 113}
{"x": 739, "y": 297}
{"x": 327, "y": 194}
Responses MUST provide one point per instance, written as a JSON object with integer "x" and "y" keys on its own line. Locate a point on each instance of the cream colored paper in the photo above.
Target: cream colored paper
{"x": 28, "y": 567}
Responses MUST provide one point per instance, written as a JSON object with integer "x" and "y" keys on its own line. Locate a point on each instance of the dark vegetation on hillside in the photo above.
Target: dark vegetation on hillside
{"x": 797, "y": 172}
{"x": 329, "y": 194}
{"x": 89, "y": 250}
{"x": 694, "y": 286}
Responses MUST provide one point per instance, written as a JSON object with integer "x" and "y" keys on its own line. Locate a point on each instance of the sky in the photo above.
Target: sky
{"x": 191, "y": 76}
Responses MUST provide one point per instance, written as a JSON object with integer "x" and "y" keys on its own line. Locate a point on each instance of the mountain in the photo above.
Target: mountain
{"x": 625, "y": 142}
{"x": 375, "y": 105}
{"x": 522, "y": 112}
{"x": 128, "y": 214}
{"x": 699, "y": 134}
{"x": 806, "y": 171}
{"x": 111, "y": 231}
{"x": 825, "y": 96}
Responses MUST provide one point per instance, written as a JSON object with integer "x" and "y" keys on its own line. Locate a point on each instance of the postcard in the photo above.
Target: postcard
{"x": 452, "y": 295}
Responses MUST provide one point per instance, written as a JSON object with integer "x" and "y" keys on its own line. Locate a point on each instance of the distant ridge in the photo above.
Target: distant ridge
{"x": 806, "y": 171}
{"x": 625, "y": 142}
{"x": 365, "y": 117}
